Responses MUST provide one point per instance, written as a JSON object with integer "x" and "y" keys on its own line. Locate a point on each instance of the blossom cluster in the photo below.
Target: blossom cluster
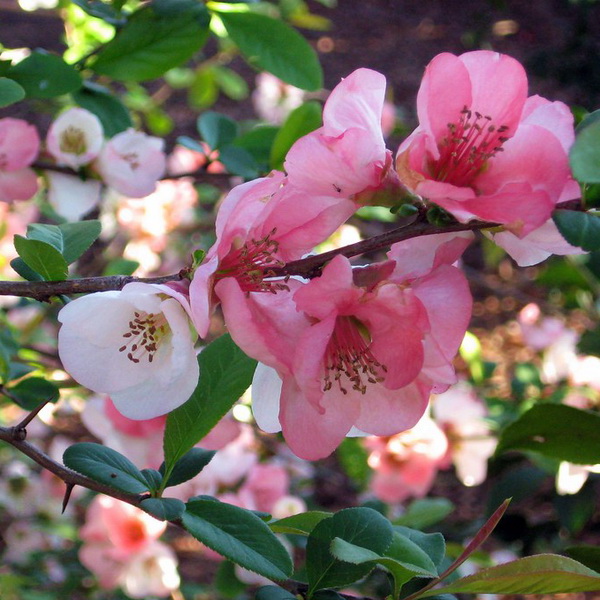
{"x": 356, "y": 350}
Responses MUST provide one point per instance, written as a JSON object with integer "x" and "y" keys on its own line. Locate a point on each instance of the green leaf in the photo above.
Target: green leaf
{"x": 433, "y": 544}
{"x": 589, "y": 556}
{"x": 32, "y": 391}
{"x": 112, "y": 113}
{"x": 592, "y": 117}
{"x": 216, "y": 129}
{"x": 101, "y": 10}
{"x": 301, "y": 524}
{"x": 233, "y": 85}
{"x": 425, "y": 512}
{"x": 302, "y": 120}
{"x": 258, "y": 142}
{"x": 26, "y": 272}
{"x": 555, "y": 430}
{"x": 239, "y": 535}
{"x": 70, "y": 239}
{"x": 44, "y": 75}
{"x": 164, "y": 509}
{"x": 273, "y": 592}
{"x": 363, "y": 527}
{"x": 589, "y": 342}
{"x": 153, "y": 477}
{"x": 541, "y": 574}
{"x": 10, "y": 92}
{"x": 579, "y": 228}
{"x": 584, "y": 155}
{"x": 42, "y": 258}
{"x": 106, "y": 466}
{"x": 276, "y": 47}
{"x": 239, "y": 162}
{"x": 225, "y": 374}
{"x": 188, "y": 466}
{"x": 153, "y": 41}
{"x": 225, "y": 582}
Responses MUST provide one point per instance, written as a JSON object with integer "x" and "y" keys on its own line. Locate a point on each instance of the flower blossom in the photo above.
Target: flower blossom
{"x": 261, "y": 224}
{"x": 121, "y": 548}
{"x": 483, "y": 149}
{"x": 75, "y": 137}
{"x": 135, "y": 344}
{"x": 19, "y": 147}
{"x": 347, "y": 156}
{"x": 132, "y": 162}
{"x": 363, "y": 348}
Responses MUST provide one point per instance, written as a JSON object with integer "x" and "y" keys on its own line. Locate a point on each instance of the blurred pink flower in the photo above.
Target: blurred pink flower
{"x": 131, "y": 163}
{"x": 121, "y": 548}
{"x": 185, "y": 160}
{"x": 75, "y": 137}
{"x": 483, "y": 150}
{"x": 135, "y": 344}
{"x": 19, "y": 147}
{"x": 347, "y": 156}
{"x": 405, "y": 465}
{"x": 273, "y": 99}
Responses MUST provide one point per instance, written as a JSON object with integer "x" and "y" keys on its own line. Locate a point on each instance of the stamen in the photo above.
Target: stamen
{"x": 144, "y": 336}
{"x": 348, "y": 358}
{"x": 466, "y": 150}
{"x": 252, "y": 265}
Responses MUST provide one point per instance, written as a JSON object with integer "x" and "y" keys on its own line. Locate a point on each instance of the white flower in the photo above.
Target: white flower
{"x": 71, "y": 197}
{"x": 75, "y": 137}
{"x": 135, "y": 344}
{"x": 131, "y": 162}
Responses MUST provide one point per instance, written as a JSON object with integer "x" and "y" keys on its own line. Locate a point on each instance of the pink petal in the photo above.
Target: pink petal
{"x": 18, "y": 185}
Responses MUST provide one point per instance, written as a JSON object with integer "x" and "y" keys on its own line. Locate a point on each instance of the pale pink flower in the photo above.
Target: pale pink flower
{"x": 368, "y": 348}
{"x": 19, "y": 147}
{"x": 185, "y": 160}
{"x": 483, "y": 150}
{"x": 121, "y": 549}
{"x": 347, "y": 156}
{"x": 570, "y": 477}
{"x": 75, "y": 137}
{"x": 405, "y": 465}
{"x": 261, "y": 224}
{"x": 131, "y": 163}
{"x": 135, "y": 344}
{"x": 460, "y": 413}
{"x": 71, "y": 197}
{"x": 273, "y": 99}
{"x": 539, "y": 332}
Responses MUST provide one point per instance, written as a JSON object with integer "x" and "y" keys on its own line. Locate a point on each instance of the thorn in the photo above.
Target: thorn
{"x": 67, "y": 496}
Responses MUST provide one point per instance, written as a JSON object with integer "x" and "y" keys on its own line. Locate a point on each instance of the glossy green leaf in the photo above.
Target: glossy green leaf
{"x": 225, "y": 374}
{"x": 112, "y": 113}
{"x": 584, "y": 155}
{"x": 273, "y": 592}
{"x": 239, "y": 162}
{"x": 362, "y": 527}
{"x": 541, "y": 574}
{"x": 101, "y": 10}
{"x": 588, "y": 120}
{"x": 258, "y": 142}
{"x": 32, "y": 391}
{"x": 301, "y": 524}
{"x": 432, "y": 544}
{"x": 579, "y": 228}
{"x": 153, "y": 477}
{"x": 42, "y": 258}
{"x": 164, "y": 509}
{"x": 555, "y": 430}
{"x": 10, "y": 92}
{"x": 153, "y": 41}
{"x": 188, "y": 466}
{"x": 302, "y": 120}
{"x": 20, "y": 267}
{"x": 106, "y": 466}
{"x": 44, "y": 75}
{"x": 70, "y": 239}
{"x": 216, "y": 129}
{"x": 276, "y": 47}
{"x": 239, "y": 535}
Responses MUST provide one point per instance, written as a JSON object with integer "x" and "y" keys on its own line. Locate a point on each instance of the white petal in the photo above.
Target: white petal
{"x": 266, "y": 391}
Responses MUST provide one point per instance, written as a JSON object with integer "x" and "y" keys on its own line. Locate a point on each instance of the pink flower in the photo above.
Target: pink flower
{"x": 134, "y": 344}
{"x": 121, "y": 548}
{"x": 75, "y": 137}
{"x": 261, "y": 224}
{"x": 19, "y": 147}
{"x": 365, "y": 353}
{"x": 406, "y": 464}
{"x": 132, "y": 162}
{"x": 347, "y": 157}
{"x": 483, "y": 150}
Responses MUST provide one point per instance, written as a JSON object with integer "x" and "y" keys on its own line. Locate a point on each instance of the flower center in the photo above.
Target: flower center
{"x": 467, "y": 148}
{"x": 72, "y": 141}
{"x": 348, "y": 358}
{"x": 144, "y": 335}
{"x": 251, "y": 263}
